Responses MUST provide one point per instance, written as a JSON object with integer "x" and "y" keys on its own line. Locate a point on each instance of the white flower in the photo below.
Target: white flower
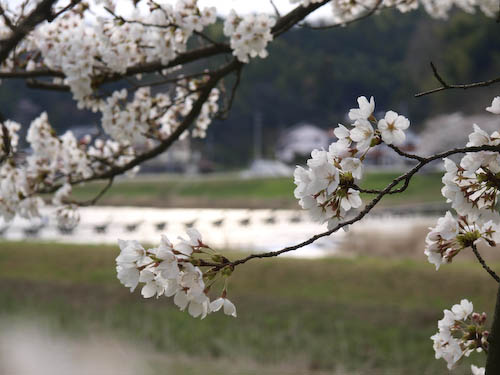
{"x": 365, "y": 110}
{"x": 302, "y": 178}
{"x": 128, "y": 276}
{"x": 229, "y": 308}
{"x": 362, "y": 133}
{"x": 351, "y": 200}
{"x": 187, "y": 246}
{"x": 343, "y": 135}
{"x": 477, "y": 370}
{"x": 154, "y": 285}
{"x": 354, "y": 166}
{"x": 132, "y": 252}
{"x": 463, "y": 310}
{"x": 447, "y": 226}
{"x": 249, "y": 34}
{"x": 325, "y": 177}
{"x": 478, "y": 137}
{"x": 495, "y": 106}
{"x": 391, "y": 128}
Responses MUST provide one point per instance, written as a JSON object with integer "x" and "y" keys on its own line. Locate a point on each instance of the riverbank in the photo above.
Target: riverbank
{"x": 233, "y": 191}
{"x": 339, "y": 316}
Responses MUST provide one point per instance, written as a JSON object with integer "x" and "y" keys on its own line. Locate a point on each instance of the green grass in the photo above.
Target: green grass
{"x": 231, "y": 191}
{"x": 365, "y": 315}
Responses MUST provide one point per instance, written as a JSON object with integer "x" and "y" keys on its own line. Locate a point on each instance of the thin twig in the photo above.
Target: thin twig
{"x": 224, "y": 112}
{"x": 483, "y": 263}
{"x": 405, "y": 154}
{"x": 276, "y": 10}
{"x": 447, "y": 86}
{"x": 94, "y": 200}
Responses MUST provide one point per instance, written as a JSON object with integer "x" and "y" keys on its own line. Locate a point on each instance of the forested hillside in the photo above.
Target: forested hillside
{"x": 386, "y": 56}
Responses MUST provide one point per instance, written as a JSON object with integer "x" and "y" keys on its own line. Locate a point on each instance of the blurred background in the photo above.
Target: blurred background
{"x": 360, "y": 302}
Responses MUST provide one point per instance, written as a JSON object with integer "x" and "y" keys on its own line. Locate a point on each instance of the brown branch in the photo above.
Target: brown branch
{"x": 31, "y": 74}
{"x": 282, "y": 25}
{"x": 7, "y": 19}
{"x": 7, "y": 146}
{"x": 295, "y": 16}
{"x": 447, "y": 86}
{"x": 276, "y": 10}
{"x": 405, "y": 154}
{"x": 188, "y": 120}
{"x": 483, "y": 263}
{"x": 225, "y": 111}
{"x": 43, "y": 85}
{"x": 94, "y": 200}
{"x": 387, "y": 190}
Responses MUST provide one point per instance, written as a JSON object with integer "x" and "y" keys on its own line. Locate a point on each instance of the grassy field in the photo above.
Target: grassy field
{"x": 334, "y": 316}
{"x": 234, "y": 192}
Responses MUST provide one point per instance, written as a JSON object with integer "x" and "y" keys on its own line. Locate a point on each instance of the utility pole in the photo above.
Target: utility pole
{"x": 257, "y": 135}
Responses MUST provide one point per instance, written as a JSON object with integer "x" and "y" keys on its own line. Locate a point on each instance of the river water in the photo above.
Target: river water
{"x": 253, "y": 230}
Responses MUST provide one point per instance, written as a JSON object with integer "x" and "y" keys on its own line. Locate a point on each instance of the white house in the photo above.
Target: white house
{"x": 300, "y": 140}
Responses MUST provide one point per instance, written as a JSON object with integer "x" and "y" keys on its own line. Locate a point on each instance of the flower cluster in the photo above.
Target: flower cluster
{"x": 452, "y": 235}
{"x": 83, "y": 49}
{"x": 328, "y": 188}
{"x": 54, "y": 161}
{"x": 472, "y": 187}
{"x": 461, "y": 332}
{"x": 174, "y": 271}
{"x": 249, "y": 34}
{"x": 348, "y": 10}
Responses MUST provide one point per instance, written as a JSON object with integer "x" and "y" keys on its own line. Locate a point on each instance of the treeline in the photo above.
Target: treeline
{"x": 316, "y": 75}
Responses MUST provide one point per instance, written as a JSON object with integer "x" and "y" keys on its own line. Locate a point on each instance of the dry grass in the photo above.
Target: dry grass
{"x": 406, "y": 242}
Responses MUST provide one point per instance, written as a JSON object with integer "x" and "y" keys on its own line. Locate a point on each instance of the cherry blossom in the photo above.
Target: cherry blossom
{"x": 461, "y": 332}
{"x": 451, "y": 235}
{"x": 173, "y": 270}
{"x": 392, "y": 126}
{"x": 495, "y": 106}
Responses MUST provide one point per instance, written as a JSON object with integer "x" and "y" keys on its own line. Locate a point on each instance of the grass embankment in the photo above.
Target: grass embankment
{"x": 336, "y": 316}
{"x": 234, "y": 192}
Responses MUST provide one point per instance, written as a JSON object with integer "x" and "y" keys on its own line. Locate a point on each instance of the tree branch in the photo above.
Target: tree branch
{"x": 493, "y": 358}
{"x": 483, "y": 263}
{"x": 380, "y": 194}
{"x": 447, "y": 86}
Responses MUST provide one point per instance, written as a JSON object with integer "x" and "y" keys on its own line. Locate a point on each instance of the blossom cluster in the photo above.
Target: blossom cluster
{"x": 55, "y": 161}
{"x": 347, "y": 10}
{"x": 472, "y": 187}
{"x": 83, "y": 50}
{"x": 461, "y": 332}
{"x": 173, "y": 271}
{"x": 328, "y": 187}
{"x": 249, "y": 34}
{"x": 451, "y": 235}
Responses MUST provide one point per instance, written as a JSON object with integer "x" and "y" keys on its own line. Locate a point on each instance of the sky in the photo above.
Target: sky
{"x": 248, "y": 6}
{"x": 224, "y": 6}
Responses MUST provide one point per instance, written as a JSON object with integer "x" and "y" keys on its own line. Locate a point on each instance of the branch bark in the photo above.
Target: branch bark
{"x": 493, "y": 358}
{"x": 447, "y": 86}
